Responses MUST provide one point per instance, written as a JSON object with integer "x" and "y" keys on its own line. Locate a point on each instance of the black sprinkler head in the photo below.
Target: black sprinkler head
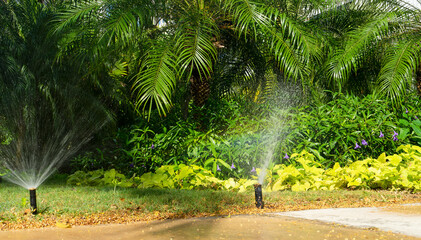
{"x": 258, "y": 195}
{"x": 33, "y": 200}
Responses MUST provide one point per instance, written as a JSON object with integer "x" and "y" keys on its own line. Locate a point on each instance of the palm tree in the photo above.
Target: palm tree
{"x": 379, "y": 51}
{"x": 401, "y": 65}
{"x": 171, "y": 42}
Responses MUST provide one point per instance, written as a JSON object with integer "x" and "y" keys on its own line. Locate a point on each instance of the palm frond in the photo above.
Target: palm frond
{"x": 195, "y": 50}
{"x": 293, "y": 44}
{"x": 348, "y": 58}
{"x": 397, "y": 73}
{"x": 83, "y": 11}
{"x": 156, "y": 80}
{"x": 248, "y": 16}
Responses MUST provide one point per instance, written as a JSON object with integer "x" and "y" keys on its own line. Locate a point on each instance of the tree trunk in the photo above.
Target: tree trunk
{"x": 186, "y": 102}
{"x": 418, "y": 79}
{"x": 200, "y": 90}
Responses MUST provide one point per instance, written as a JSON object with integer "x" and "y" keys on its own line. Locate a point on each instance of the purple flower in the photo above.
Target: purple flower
{"x": 253, "y": 170}
{"x": 357, "y": 146}
{"x": 416, "y": 117}
{"x": 217, "y": 168}
{"x": 395, "y": 138}
{"x": 286, "y": 156}
{"x": 381, "y": 134}
{"x": 152, "y": 146}
{"x": 232, "y": 166}
{"x": 406, "y": 110}
{"x": 131, "y": 165}
{"x": 364, "y": 142}
{"x": 395, "y": 134}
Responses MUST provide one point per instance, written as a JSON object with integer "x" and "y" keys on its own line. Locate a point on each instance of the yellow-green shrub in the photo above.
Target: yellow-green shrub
{"x": 399, "y": 171}
{"x": 190, "y": 177}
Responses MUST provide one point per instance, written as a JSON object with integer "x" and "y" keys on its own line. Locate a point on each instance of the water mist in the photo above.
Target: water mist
{"x": 287, "y": 96}
{"x": 43, "y": 127}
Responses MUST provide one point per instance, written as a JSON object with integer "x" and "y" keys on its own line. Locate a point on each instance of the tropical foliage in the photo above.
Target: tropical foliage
{"x": 205, "y": 86}
{"x": 398, "y": 171}
{"x": 180, "y": 42}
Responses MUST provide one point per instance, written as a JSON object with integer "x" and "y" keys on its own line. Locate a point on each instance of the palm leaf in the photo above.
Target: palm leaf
{"x": 348, "y": 58}
{"x": 83, "y": 11}
{"x": 155, "y": 83}
{"x": 294, "y": 45}
{"x": 194, "y": 46}
{"x": 248, "y": 16}
{"x": 397, "y": 73}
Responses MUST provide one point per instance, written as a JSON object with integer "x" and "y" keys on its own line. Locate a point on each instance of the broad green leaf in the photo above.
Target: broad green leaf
{"x": 416, "y": 129}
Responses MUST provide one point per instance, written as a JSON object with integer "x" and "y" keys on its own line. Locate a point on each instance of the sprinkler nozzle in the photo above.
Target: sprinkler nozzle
{"x": 258, "y": 195}
{"x": 33, "y": 200}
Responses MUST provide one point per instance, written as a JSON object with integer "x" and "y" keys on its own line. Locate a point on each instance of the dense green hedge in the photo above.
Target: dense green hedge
{"x": 344, "y": 130}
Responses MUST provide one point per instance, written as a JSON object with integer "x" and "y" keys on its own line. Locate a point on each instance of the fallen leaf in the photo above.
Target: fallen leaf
{"x": 63, "y": 225}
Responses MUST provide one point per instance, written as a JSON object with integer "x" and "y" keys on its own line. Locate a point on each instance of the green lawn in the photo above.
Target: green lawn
{"x": 56, "y": 200}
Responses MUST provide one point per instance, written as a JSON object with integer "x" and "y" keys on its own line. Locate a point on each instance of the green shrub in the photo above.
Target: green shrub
{"x": 348, "y": 128}
{"x": 168, "y": 176}
{"x": 234, "y": 137}
{"x": 100, "y": 178}
{"x": 398, "y": 171}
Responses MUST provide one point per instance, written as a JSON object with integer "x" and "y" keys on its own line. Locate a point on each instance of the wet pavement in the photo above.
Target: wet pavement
{"x": 236, "y": 227}
{"x": 404, "y": 219}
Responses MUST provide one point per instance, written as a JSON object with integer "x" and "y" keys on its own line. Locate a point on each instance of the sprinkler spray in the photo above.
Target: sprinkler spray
{"x": 33, "y": 200}
{"x": 258, "y": 195}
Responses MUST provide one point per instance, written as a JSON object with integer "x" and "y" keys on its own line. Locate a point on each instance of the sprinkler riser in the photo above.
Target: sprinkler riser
{"x": 33, "y": 200}
{"x": 258, "y": 196}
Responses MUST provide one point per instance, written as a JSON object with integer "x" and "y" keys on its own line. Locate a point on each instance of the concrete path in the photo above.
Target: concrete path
{"x": 405, "y": 219}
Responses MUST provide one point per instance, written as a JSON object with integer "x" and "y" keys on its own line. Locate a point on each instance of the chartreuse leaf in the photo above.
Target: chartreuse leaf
{"x": 299, "y": 187}
{"x": 404, "y": 122}
{"x": 382, "y": 158}
{"x": 279, "y": 186}
{"x": 394, "y": 159}
{"x": 354, "y": 182}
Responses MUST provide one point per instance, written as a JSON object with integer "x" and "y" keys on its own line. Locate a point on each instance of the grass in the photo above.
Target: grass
{"x": 78, "y": 205}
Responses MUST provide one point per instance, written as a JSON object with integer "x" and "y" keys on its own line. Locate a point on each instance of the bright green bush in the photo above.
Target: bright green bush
{"x": 398, "y": 171}
{"x": 178, "y": 145}
{"x": 334, "y": 129}
{"x": 191, "y": 177}
{"x": 168, "y": 176}
{"x": 101, "y": 178}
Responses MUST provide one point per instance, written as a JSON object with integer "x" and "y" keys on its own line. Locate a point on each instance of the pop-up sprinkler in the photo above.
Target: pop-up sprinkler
{"x": 33, "y": 200}
{"x": 258, "y": 195}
